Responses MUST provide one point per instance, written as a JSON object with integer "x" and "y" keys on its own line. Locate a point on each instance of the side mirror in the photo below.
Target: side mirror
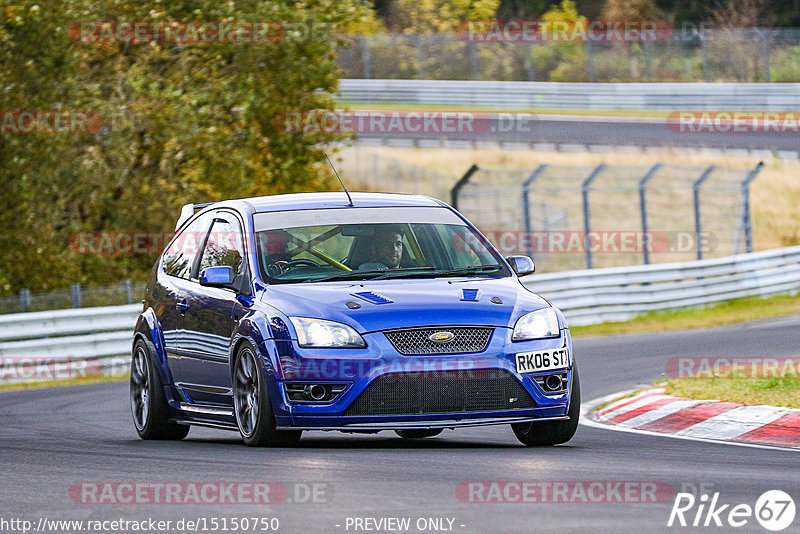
{"x": 521, "y": 265}
{"x": 221, "y": 276}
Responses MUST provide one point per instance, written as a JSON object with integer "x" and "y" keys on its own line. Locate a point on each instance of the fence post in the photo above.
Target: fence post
{"x": 395, "y": 173}
{"x": 704, "y": 53}
{"x": 698, "y": 227}
{"x": 764, "y": 53}
{"x": 127, "y": 286}
{"x": 473, "y": 61}
{"x": 746, "y": 222}
{"x": 24, "y": 299}
{"x": 366, "y": 58}
{"x": 420, "y": 56}
{"x": 643, "y": 206}
{"x": 590, "y": 61}
{"x": 75, "y": 292}
{"x": 461, "y": 183}
{"x": 526, "y": 207}
{"x": 587, "y": 227}
{"x": 530, "y": 67}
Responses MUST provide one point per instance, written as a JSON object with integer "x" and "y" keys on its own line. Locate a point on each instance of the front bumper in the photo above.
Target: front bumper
{"x": 425, "y": 425}
{"x": 358, "y": 368}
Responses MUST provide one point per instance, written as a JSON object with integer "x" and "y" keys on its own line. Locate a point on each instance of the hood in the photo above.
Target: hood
{"x": 386, "y": 304}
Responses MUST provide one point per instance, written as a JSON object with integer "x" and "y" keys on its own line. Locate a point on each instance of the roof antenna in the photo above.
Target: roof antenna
{"x": 346, "y": 192}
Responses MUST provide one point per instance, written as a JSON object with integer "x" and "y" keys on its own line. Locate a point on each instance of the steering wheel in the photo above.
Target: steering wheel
{"x": 279, "y": 267}
{"x": 298, "y": 263}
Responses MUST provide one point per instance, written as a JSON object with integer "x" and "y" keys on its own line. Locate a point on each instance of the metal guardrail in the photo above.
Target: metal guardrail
{"x": 593, "y": 96}
{"x": 20, "y": 326}
{"x": 620, "y": 293}
{"x": 49, "y": 345}
{"x": 586, "y": 297}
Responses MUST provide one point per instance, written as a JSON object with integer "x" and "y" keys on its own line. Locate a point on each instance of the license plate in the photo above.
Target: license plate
{"x": 542, "y": 360}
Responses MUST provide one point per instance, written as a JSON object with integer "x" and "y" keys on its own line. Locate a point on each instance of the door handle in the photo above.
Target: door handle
{"x": 182, "y": 306}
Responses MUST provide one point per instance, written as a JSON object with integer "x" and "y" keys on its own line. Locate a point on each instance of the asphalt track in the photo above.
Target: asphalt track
{"x": 52, "y": 439}
{"x": 587, "y": 130}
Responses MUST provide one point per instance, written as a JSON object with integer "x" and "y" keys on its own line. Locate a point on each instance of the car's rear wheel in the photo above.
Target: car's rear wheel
{"x": 418, "y": 433}
{"x": 148, "y": 402}
{"x": 252, "y": 405}
{"x": 553, "y": 432}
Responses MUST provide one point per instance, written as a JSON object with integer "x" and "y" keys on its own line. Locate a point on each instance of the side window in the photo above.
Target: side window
{"x": 463, "y": 247}
{"x": 224, "y": 245}
{"x": 184, "y": 249}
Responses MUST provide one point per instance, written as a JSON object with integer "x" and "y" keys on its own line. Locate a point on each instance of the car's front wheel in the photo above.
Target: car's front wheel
{"x": 252, "y": 405}
{"x": 148, "y": 402}
{"x": 418, "y": 433}
{"x": 553, "y": 432}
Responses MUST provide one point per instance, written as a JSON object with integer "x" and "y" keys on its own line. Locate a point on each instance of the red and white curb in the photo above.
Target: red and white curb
{"x": 653, "y": 412}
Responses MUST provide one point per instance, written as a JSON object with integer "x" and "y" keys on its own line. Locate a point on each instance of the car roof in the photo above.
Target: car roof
{"x": 332, "y": 200}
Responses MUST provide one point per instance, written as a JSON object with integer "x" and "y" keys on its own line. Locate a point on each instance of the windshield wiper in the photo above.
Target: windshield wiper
{"x": 346, "y": 275}
{"x": 470, "y": 269}
{"x": 405, "y": 272}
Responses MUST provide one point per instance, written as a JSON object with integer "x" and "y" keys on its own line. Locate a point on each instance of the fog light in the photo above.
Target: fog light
{"x": 553, "y": 382}
{"x": 313, "y": 393}
{"x": 550, "y": 384}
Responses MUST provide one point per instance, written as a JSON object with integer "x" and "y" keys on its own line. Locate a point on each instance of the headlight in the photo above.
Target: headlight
{"x": 536, "y": 325}
{"x": 321, "y": 333}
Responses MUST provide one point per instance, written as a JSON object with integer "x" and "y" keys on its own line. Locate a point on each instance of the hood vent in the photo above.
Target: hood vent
{"x": 372, "y": 297}
{"x": 470, "y": 295}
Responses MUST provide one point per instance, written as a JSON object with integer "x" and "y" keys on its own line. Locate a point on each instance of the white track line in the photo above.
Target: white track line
{"x": 733, "y": 423}
{"x": 588, "y": 407}
{"x": 658, "y": 413}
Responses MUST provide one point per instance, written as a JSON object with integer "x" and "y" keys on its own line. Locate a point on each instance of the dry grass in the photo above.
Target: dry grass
{"x": 769, "y": 391}
{"x": 81, "y": 381}
{"x": 775, "y": 195}
{"x": 729, "y": 312}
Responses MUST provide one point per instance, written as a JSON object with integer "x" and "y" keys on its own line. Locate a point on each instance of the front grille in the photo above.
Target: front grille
{"x": 481, "y": 390}
{"x": 415, "y": 341}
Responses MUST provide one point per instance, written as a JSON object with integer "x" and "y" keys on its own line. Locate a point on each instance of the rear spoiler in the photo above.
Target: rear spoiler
{"x": 187, "y": 211}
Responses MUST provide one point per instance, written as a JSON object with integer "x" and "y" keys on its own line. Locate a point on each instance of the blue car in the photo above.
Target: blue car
{"x": 278, "y": 314}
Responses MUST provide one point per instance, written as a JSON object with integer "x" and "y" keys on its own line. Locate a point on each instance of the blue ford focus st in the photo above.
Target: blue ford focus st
{"x": 274, "y": 315}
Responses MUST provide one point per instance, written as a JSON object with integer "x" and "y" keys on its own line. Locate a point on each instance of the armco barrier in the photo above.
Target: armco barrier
{"x": 103, "y": 336}
{"x": 98, "y": 339}
{"x": 620, "y": 293}
{"x": 564, "y": 95}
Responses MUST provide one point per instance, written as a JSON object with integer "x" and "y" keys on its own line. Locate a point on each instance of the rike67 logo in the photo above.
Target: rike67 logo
{"x": 774, "y": 510}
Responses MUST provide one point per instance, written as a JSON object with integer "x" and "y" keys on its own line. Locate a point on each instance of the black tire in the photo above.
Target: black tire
{"x": 418, "y": 433}
{"x": 252, "y": 406}
{"x": 149, "y": 405}
{"x": 553, "y": 432}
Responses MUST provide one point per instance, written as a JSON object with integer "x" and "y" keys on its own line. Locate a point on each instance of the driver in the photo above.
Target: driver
{"x": 387, "y": 246}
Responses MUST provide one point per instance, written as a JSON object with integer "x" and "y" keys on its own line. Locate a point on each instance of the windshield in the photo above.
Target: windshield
{"x": 370, "y": 243}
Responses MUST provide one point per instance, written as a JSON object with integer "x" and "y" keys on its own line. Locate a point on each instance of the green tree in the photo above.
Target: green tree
{"x": 182, "y": 122}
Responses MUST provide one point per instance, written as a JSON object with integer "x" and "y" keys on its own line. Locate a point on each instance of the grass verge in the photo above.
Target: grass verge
{"x": 732, "y": 311}
{"x": 82, "y": 381}
{"x": 771, "y": 391}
